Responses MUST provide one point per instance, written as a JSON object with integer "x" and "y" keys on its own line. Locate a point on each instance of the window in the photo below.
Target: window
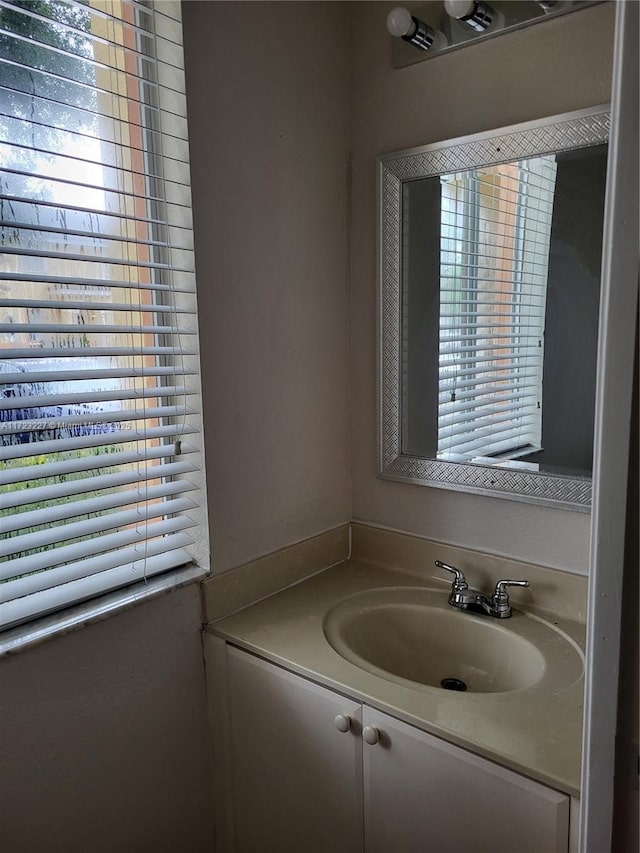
{"x": 102, "y": 481}
{"x": 492, "y": 308}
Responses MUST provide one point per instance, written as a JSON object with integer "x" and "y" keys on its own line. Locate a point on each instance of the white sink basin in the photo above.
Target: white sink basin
{"x": 412, "y": 636}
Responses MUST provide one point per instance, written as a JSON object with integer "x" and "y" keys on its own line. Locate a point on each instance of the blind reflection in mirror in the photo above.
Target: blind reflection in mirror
{"x": 501, "y": 271}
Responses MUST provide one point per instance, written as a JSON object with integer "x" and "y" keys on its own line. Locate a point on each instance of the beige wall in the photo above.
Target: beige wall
{"x": 551, "y": 68}
{"x": 268, "y": 110}
{"x": 103, "y": 738}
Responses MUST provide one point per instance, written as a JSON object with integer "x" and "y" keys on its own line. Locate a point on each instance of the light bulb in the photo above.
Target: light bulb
{"x": 400, "y": 23}
{"x": 459, "y": 8}
{"x": 476, "y": 14}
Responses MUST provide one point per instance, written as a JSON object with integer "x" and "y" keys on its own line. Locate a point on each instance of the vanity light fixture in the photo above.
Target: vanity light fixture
{"x": 441, "y": 26}
{"x": 402, "y": 24}
{"x": 474, "y": 13}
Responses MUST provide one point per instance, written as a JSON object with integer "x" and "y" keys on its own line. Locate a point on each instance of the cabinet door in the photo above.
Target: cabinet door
{"x": 423, "y": 795}
{"x": 296, "y": 778}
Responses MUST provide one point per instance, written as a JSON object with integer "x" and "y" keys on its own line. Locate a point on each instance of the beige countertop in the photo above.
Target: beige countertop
{"x": 534, "y": 730}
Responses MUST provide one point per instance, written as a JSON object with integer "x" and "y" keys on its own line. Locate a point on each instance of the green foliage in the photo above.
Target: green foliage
{"x": 41, "y": 459}
{"x": 26, "y": 39}
{"x": 47, "y": 61}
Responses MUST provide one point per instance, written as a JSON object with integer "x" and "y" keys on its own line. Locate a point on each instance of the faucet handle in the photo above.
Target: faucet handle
{"x": 459, "y": 582}
{"x": 500, "y": 599}
{"x": 501, "y": 587}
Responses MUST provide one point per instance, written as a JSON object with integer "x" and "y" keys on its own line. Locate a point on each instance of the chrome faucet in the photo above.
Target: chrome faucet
{"x": 465, "y": 598}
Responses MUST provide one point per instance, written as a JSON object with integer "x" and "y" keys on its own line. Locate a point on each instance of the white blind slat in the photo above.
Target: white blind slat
{"x": 87, "y": 329}
{"x": 69, "y": 424}
{"x": 80, "y": 282}
{"x": 123, "y": 351}
{"x": 72, "y": 305}
{"x": 511, "y": 360}
{"x": 458, "y": 410}
{"x": 84, "y": 442}
{"x": 94, "y": 372}
{"x": 483, "y": 348}
{"x": 492, "y": 391}
{"x": 90, "y": 463}
{"x": 483, "y": 374}
{"x": 120, "y": 396}
{"x": 98, "y": 259}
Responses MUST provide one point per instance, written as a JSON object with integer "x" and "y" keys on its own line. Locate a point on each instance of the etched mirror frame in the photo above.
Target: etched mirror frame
{"x": 565, "y": 132}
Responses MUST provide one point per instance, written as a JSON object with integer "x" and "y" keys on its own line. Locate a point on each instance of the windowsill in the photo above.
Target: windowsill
{"x": 65, "y": 621}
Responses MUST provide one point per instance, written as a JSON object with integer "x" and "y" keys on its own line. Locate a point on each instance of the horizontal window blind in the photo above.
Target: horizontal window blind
{"x": 101, "y": 483}
{"x": 492, "y": 308}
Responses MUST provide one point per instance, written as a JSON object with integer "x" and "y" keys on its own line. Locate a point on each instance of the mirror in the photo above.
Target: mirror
{"x": 489, "y": 275}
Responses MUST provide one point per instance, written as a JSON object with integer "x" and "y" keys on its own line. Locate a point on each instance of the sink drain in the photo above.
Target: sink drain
{"x": 453, "y": 684}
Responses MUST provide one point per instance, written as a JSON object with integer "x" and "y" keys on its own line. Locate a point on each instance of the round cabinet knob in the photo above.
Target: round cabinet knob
{"x": 371, "y": 735}
{"x": 343, "y": 723}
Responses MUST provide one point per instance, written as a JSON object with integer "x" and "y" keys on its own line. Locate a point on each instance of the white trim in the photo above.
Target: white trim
{"x": 611, "y": 442}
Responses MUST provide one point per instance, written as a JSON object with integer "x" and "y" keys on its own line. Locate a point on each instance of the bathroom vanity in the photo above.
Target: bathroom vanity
{"x": 332, "y": 732}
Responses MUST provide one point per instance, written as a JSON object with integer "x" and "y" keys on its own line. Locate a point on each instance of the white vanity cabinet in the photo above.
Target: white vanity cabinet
{"x": 307, "y": 770}
{"x": 296, "y": 779}
{"x": 423, "y": 794}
